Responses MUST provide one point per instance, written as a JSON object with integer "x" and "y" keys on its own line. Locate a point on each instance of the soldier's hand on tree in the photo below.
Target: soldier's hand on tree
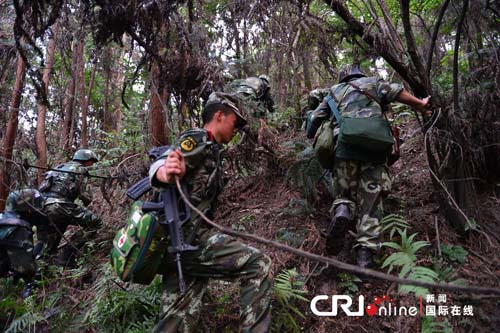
{"x": 424, "y": 106}
{"x": 174, "y": 166}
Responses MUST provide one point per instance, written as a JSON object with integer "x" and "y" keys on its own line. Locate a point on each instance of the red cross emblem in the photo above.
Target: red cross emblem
{"x": 121, "y": 241}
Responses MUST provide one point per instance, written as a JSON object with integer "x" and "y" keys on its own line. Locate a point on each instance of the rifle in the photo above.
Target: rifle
{"x": 176, "y": 214}
{"x": 143, "y": 186}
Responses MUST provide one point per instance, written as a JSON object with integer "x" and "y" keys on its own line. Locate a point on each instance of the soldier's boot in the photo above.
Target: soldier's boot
{"x": 336, "y": 229}
{"x": 28, "y": 289}
{"x": 67, "y": 257}
{"x": 364, "y": 258}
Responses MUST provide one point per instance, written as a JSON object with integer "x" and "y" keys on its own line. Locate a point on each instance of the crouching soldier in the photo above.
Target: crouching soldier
{"x": 17, "y": 255}
{"x": 61, "y": 187}
{"x": 196, "y": 159}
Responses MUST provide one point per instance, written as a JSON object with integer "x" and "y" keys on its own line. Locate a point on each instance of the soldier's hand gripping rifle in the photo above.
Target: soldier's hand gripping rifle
{"x": 176, "y": 214}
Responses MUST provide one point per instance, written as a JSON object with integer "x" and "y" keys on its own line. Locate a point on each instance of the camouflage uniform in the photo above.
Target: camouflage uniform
{"x": 255, "y": 95}
{"x": 61, "y": 190}
{"x": 219, "y": 255}
{"x": 361, "y": 178}
{"x": 22, "y": 210}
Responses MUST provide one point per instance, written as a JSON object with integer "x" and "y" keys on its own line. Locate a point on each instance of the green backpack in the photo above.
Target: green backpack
{"x": 324, "y": 144}
{"x": 139, "y": 247}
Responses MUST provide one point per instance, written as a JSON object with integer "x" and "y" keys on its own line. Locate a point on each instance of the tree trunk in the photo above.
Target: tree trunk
{"x": 10, "y": 135}
{"x": 85, "y": 106}
{"x": 69, "y": 97}
{"x": 159, "y": 96}
{"x": 41, "y": 141}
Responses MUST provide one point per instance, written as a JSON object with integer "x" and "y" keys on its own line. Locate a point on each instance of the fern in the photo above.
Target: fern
{"x": 406, "y": 258}
{"x": 25, "y": 323}
{"x": 407, "y": 251}
{"x": 417, "y": 273}
{"x": 287, "y": 290}
{"x": 447, "y": 274}
{"x": 393, "y": 222}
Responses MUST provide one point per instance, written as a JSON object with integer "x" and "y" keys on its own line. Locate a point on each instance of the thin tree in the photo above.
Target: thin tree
{"x": 41, "y": 141}
{"x": 10, "y": 135}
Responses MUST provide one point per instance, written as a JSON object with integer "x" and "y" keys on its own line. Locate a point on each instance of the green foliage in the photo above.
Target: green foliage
{"x": 454, "y": 253}
{"x": 447, "y": 274}
{"x": 406, "y": 258}
{"x": 406, "y": 255}
{"x": 393, "y": 223}
{"x": 118, "y": 310}
{"x": 287, "y": 290}
{"x": 430, "y": 325}
{"x": 417, "y": 273}
{"x": 348, "y": 283}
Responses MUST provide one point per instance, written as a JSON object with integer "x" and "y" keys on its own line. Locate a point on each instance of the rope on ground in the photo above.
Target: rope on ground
{"x": 337, "y": 263}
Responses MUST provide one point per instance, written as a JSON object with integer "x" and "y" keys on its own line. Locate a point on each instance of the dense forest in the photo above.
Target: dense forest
{"x": 121, "y": 77}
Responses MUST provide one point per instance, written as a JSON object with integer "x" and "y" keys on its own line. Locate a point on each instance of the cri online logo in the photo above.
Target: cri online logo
{"x": 383, "y": 306}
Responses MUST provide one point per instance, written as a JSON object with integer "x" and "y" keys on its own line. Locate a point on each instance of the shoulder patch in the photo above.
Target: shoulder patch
{"x": 193, "y": 140}
{"x": 188, "y": 144}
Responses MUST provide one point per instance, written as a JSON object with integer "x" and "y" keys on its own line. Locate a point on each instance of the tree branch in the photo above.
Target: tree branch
{"x": 455, "y": 55}
{"x": 410, "y": 42}
{"x": 437, "y": 26}
{"x": 378, "y": 43}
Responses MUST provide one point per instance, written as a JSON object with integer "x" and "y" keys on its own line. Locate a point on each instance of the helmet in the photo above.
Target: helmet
{"x": 85, "y": 155}
{"x": 266, "y": 79}
{"x": 229, "y": 100}
{"x": 348, "y": 72}
{"x": 24, "y": 201}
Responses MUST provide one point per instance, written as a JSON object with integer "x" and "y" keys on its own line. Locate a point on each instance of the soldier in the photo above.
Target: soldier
{"x": 23, "y": 210}
{"x": 197, "y": 160}
{"x": 61, "y": 189}
{"x": 360, "y": 176}
{"x": 255, "y": 93}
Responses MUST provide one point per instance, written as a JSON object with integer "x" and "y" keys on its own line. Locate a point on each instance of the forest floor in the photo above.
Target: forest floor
{"x": 264, "y": 205}
{"x": 262, "y": 202}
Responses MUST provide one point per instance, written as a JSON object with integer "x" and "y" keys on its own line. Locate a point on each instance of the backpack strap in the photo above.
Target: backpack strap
{"x": 333, "y": 106}
{"x": 366, "y": 93}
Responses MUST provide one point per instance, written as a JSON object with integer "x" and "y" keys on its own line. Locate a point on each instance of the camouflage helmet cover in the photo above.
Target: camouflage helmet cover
{"x": 349, "y": 72}
{"x": 85, "y": 155}
{"x": 231, "y": 101}
{"x": 266, "y": 79}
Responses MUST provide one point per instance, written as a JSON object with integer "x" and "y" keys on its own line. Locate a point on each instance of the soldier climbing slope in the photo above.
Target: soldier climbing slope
{"x": 23, "y": 210}
{"x": 197, "y": 160}
{"x": 360, "y": 174}
{"x": 61, "y": 189}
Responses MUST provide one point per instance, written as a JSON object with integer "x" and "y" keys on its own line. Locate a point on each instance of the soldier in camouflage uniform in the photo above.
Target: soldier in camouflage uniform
{"x": 61, "y": 189}
{"x": 23, "y": 210}
{"x": 255, "y": 93}
{"x": 197, "y": 160}
{"x": 361, "y": 178}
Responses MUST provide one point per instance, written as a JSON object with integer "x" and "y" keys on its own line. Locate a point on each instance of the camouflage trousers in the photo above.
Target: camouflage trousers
{"x": 61, "y": 214}
{"x": 362, "y": 186}
{"x": 19, "y": 259}
{"x": 221, "y": 257}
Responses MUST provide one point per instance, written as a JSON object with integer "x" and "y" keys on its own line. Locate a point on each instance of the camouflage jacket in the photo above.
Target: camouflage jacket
{"x": 63, "y": 186}
{"x": 352, "y": 103}
{"x": 254, "y": 94}
{"x": 203, "y": 167}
